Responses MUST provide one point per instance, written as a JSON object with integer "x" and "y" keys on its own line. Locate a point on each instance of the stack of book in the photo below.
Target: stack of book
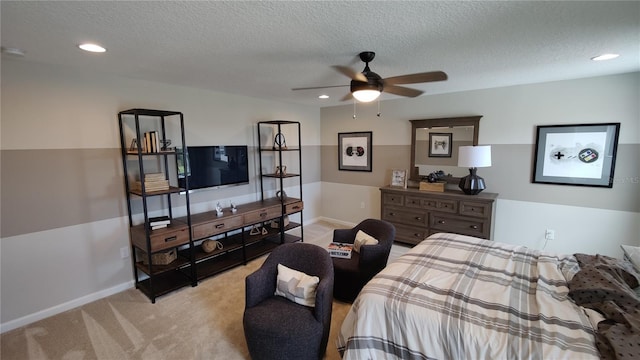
{"x": 153, "y": 182}
{"x": 340, "y": 250}
{"x": 159, "y": 222}
{"x": 151, "y": 142}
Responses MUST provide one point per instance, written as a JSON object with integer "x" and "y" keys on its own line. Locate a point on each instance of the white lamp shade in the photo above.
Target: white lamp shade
{"x": 474, "y": 156}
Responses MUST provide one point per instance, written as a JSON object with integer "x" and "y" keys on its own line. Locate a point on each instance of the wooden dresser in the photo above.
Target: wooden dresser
{"x": 417, "y": 214}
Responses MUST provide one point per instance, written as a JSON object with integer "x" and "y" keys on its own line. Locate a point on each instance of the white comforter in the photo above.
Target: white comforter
{"x": 458, "y": 297}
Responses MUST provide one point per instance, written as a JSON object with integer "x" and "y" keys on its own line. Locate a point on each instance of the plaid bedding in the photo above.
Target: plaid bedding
{"x": 459, "y": 297}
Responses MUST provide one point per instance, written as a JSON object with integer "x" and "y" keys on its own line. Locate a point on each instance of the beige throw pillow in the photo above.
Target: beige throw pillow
{"x": 362, "y": 238}
{"x": 297, "y": 286}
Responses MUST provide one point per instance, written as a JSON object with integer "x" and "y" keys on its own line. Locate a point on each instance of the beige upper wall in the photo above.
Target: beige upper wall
{"x": 50, "y": 107}
{"x": 509, "y": 114}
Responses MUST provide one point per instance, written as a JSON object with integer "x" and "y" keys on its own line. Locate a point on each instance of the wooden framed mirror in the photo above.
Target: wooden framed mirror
{"x": 435, "y": 142}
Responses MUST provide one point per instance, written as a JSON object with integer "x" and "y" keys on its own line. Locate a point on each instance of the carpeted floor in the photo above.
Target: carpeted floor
{"x": 202, "y": 322}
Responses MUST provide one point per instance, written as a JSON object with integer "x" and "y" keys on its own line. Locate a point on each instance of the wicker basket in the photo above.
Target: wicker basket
{"x": 161, "y": 258}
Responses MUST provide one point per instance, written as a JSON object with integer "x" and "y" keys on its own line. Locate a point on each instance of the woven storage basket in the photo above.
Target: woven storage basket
{"x": 162, "y": 258}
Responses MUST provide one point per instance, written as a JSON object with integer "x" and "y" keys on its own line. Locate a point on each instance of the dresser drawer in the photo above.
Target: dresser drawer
{"x": 294, "y": 207}
{"x": 410, "y": 235}
{"x": 175, "y": 235}
{"x": 393, "y": 199}
{"x": 459, "y": 225}
{"x": 443, "y": 205}
{"x": 417, "y": 218}
{"x": 475, "y": 209}
{"x": 265, "y": 214}
{"x": 215, "y": 227}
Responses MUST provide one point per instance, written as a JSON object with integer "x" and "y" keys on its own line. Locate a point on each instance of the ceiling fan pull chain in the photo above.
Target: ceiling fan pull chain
{"x": 379, "y": 107}
{"x": 354, "y": 109}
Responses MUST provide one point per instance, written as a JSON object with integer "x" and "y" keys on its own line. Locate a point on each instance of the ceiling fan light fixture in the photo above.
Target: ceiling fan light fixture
{"x": 366, "y": 95}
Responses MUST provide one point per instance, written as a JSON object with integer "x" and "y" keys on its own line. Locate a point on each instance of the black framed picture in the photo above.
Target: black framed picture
{"x": 582, "y": 155}
{"x": 440, "y": 144}
{"x": 355, "y": 151}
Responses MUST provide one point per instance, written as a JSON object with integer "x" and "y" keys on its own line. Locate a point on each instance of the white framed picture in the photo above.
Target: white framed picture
{"x": 399, "y": 178}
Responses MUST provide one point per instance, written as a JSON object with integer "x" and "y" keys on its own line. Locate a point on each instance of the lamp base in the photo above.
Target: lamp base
{"x": 472, "y": 184}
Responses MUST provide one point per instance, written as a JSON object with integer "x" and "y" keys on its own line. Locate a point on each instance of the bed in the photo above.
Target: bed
{"x": 460, "y": 297}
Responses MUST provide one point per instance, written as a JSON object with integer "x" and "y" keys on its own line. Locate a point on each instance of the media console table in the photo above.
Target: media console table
{"x": 232, "y": 230}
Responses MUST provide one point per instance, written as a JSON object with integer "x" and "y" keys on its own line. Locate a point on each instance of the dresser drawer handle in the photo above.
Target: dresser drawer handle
{"x": 220, "y": 226}
{"x": 296, "y": 207}
{"x": 418, "y": 218}
{"x": 172, "y": 238}
{"x": 263, "y": 215}
{"x": 417, "y": 235}
{"x": 474, "y": 227}
{"x": 392, "y": 214}
{"x": 440, "y": 221}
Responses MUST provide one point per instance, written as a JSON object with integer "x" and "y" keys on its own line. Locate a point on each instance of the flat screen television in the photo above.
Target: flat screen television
{"x": 213, "y": 166}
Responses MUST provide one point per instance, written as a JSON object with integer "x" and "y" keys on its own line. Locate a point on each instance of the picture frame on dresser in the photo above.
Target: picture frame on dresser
{"x": 581, "y": 154}
{"x": 399, "y": 178}
{"x": 355, "y": 151}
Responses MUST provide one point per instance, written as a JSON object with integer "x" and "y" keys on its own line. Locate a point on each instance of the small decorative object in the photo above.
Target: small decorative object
{"x": 281, "y": 194}
{"x": 165, "y": 145}
{"x": 280, "y": 141}
{"x": 355, "y": 151}
{"x": 134, "y": 145}
{"x": 436, "y": 176}
{"x": 234, "y": 209}
{"x": 219, "y": 211}
{"x": 209, "y": 245}
{"x": 257, "y": 230}
{"x": 281, "y": 170}
{"x": 399, "y": 178}
{"x": 275, "y": 223}
{"x": 473, "y": 157}
{"x": 576, "y": 154}
{"x": 440, "y": 144}
{"x": 435, "y": 186}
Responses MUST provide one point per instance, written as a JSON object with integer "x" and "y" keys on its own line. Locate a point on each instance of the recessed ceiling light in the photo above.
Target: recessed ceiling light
{"x": 604, "y": 57}
{"x": 92, "y": 48}
{"x": 323, "y": 96}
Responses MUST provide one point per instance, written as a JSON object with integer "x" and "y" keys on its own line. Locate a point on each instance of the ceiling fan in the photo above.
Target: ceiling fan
{"x": 366, "y": 86}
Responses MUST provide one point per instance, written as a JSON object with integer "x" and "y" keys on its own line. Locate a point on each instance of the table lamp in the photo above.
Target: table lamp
{"x": 473, "y": 157}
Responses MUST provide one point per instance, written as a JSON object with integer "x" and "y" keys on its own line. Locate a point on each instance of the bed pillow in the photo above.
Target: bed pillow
{"x": 633, "y": 254}
{"x": 362, "y": 238}
{"x": 297, "y": 286}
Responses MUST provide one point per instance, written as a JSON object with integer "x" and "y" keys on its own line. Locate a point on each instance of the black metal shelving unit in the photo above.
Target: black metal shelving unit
{"x": 272, "y": 137}
{"x": 156, "y": 157}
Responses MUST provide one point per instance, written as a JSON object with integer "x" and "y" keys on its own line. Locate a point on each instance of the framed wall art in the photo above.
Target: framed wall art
{"x": 399, "y": 178}
{"x": 355, "y": 151}
{"x": 582, "y": 155}
{"x": 440, "y": 144}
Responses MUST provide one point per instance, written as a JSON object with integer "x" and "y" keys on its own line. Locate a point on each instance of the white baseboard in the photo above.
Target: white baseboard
{"x": 336, "y": 221}
{"x": 54, "y": 310}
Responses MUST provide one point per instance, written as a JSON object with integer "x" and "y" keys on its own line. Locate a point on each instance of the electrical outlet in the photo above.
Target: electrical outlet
{"x": 124, "y": 252}
{"x": 362, "y": 205}
{"x": 549, "y": 234}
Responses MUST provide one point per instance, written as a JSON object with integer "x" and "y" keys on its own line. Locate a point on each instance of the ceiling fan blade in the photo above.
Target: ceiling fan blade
{"x": 416, "y": 78}
{"x": 350, "y": 73}
{"x": 347, "y": 97}
{"x": 318, "y": 87}
{"x": 402, "y": 91}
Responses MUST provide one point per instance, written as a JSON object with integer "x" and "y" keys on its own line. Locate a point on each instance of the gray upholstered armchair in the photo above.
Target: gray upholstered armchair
{"x": 352, "y": 274}
{"x": 278, "y": 328}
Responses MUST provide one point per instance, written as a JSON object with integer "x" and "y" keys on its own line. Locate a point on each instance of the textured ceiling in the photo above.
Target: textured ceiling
{"x": 263, "y": 49}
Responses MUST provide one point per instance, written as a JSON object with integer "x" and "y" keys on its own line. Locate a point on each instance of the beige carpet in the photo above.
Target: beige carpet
{"x": 202, "y": 322}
